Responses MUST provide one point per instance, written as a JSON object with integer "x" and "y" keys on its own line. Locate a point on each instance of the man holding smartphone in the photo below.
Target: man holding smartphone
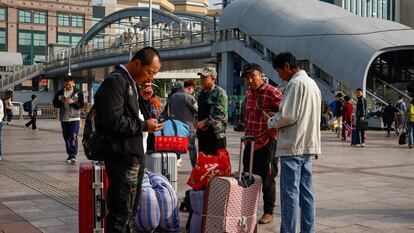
{"x": 262, "y": 101}
{"x": 69, "y": 100}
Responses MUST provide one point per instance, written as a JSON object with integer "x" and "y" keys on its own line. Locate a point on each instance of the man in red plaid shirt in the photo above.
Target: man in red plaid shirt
{"x": 262, "y": 101}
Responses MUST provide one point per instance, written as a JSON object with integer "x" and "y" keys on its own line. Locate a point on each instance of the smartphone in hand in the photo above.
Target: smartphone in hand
{"x": 162, "y": 120}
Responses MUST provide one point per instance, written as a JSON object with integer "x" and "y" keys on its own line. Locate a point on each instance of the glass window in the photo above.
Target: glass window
{"x": 2, "y": 40}
{"x": 25, "y": 38}
{"x": 63, "y": 19}
{"x": 63, "y": 39}
{"x": 77, "y": 21}
{"x": 39, "y": 39}
{"x": 39, "y": 17}
{"x": 25, "y": 16}
{"x": 2, "y": 14}
{"x": 76, "y": 39}
{"x": 68, "y": 39}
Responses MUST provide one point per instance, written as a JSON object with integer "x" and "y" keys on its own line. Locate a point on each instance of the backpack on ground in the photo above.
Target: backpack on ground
{"x": 27, "y": 105}
{"x": 95, "y": 143}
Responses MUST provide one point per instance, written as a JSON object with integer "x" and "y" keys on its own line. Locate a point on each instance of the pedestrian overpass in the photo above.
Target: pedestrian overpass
{"x": 339, "y": 50}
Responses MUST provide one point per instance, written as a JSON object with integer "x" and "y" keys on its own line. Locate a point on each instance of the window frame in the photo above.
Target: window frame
{"x": 63, "y": 22}
{"x": 26, "y": 15}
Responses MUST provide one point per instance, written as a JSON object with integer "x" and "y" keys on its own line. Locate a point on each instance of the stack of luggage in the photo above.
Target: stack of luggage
{"x": 228, "y": 203}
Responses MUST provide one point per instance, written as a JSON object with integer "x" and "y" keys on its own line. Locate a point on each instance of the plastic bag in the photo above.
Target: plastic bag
{"x": 209, "y": 166}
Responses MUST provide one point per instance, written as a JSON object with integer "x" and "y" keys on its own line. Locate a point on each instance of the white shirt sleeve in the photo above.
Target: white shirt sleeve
{"x": 289, "y": 108}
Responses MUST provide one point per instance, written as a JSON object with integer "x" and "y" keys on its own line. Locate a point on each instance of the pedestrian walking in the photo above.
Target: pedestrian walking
{"x": 347, "y": 118}
{"x": 32, "y": 113}
{"x": 8, "y": 105}
{"x": 1, "y": 128}
{"x": 212, "y": 114}
{"x": 69, "y": 100}
{"x": 119, "y": 116}
{"x": 400, "y": 115}
{"x": 262, "y": 101}
{"x": 388, "y": 117}
{"x": 183, "y": 106}
{"x": 361, "y": 112}
{"x": 410, "y": 124}
{"x": 299, "y": 139}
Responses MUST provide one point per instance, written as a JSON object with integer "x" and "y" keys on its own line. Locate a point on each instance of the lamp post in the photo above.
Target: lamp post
{"x": 150, "y": 23}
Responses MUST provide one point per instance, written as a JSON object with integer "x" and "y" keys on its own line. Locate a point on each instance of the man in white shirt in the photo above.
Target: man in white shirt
{"x": 299, "y": 139}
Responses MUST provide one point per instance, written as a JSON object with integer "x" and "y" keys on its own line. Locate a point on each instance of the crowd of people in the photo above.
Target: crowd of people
{"x": 340, "y": 117}
{"x": 285, "y": 124}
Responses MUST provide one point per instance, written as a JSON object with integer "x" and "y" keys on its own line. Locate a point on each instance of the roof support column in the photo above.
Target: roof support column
{"x": 225, "y": 78}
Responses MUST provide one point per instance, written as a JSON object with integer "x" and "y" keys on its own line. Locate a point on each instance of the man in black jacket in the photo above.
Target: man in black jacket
{"x": 361, "y": 111}
{"x": 69, "y": 100}
{"x": 119, "y": 117}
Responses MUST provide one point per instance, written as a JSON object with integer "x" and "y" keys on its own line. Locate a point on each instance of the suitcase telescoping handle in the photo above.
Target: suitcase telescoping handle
{"x": 246, "y": 139}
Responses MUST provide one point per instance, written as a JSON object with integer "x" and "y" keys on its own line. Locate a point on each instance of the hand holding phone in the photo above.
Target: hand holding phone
{"x": 162, "y": 120}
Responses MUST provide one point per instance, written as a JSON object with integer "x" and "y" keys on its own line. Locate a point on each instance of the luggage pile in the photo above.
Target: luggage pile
{"x": 227, "y": 203}
{"x": 157, "y": 209}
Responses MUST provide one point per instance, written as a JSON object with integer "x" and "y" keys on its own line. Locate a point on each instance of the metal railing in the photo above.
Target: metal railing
{"x": 20, "y": 74}
{"x": 78, "y": 54}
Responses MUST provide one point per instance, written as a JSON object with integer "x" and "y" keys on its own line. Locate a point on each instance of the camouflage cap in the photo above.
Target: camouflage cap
{"x": 208, "y": 71}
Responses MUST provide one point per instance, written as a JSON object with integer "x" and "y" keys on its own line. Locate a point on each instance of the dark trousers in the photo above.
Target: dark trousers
{"x": 9, "y": 115}
{"x": 264, "y": 165}
{"x": 360, "y": 131}
{"x": 32, "y": 121}
{"x": 208, "y": 143}
{"x": 124, "y": 191}
{"x": 70, "y": 131}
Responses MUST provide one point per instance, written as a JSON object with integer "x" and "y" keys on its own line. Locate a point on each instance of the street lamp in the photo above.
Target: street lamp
{"x": 150, "y": 23}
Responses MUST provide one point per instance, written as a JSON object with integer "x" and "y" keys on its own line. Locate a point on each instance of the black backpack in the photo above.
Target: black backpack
{"x": 94, "y": 142}
{"x": 27, "y": 105}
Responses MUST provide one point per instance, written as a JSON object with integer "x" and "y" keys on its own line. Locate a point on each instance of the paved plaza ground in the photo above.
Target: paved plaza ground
{"x": 368, "y": 189}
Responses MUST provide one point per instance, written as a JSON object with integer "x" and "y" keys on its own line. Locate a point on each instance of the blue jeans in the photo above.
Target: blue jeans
{"x": 410, "y": 133}
{"x": 1, "y": 132}
{"x": 296, "y": 186}
{"x": 70, "y": 132}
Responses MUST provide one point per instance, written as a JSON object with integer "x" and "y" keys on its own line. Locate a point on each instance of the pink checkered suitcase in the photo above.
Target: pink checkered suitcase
{"x": 231, "y": 202}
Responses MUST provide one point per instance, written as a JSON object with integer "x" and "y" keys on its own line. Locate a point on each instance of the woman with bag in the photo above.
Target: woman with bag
{"x": 8, "y": 107}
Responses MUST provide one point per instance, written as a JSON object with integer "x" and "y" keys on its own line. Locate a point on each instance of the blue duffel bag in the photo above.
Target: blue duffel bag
{"x": 148, "y": 214}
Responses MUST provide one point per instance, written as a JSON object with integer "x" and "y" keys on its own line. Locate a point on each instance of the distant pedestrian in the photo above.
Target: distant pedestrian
{"x": 32, "y": 114}
{"x": 410, "y": 123}
{"x": 184, "y": 107}
{"x": 298, "y": 124}
{"x": 212, "y": 114}
{"x": 400, "y": 116}
{"x": 1, "y": 128}
{"x": 339, "y": 107}
{"x": 347, "y": 118}
{"x": 69, "y": 100}
{"x": 361, "y": 112}
{"x": 388, "y": 117}
{"x": 8, "y": 105}
{"x": 262, "y": 101}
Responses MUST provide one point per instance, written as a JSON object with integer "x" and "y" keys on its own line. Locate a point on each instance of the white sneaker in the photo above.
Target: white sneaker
{"x": 0, "y": 157}
{"x": 363, "y": 145}
{"x": 73, "y": 161}
{"x": 25, "y": 127}
{"x": 8, "y": 123}
{"x": 179, "y": 162}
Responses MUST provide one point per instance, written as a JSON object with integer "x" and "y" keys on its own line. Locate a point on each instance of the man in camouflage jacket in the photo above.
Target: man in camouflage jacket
{"x": 212, "y": 114}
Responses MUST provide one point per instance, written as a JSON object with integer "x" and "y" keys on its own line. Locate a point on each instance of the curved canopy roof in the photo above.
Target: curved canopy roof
{"x": 340, "y": 43}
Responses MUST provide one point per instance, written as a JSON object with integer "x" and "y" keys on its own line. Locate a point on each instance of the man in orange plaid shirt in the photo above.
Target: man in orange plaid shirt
{"x": 262, "y": 101}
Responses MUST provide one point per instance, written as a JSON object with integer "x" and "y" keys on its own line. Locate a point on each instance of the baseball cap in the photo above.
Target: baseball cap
{"x": 208, "y": 71}
{"x": 248, "y": 68}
